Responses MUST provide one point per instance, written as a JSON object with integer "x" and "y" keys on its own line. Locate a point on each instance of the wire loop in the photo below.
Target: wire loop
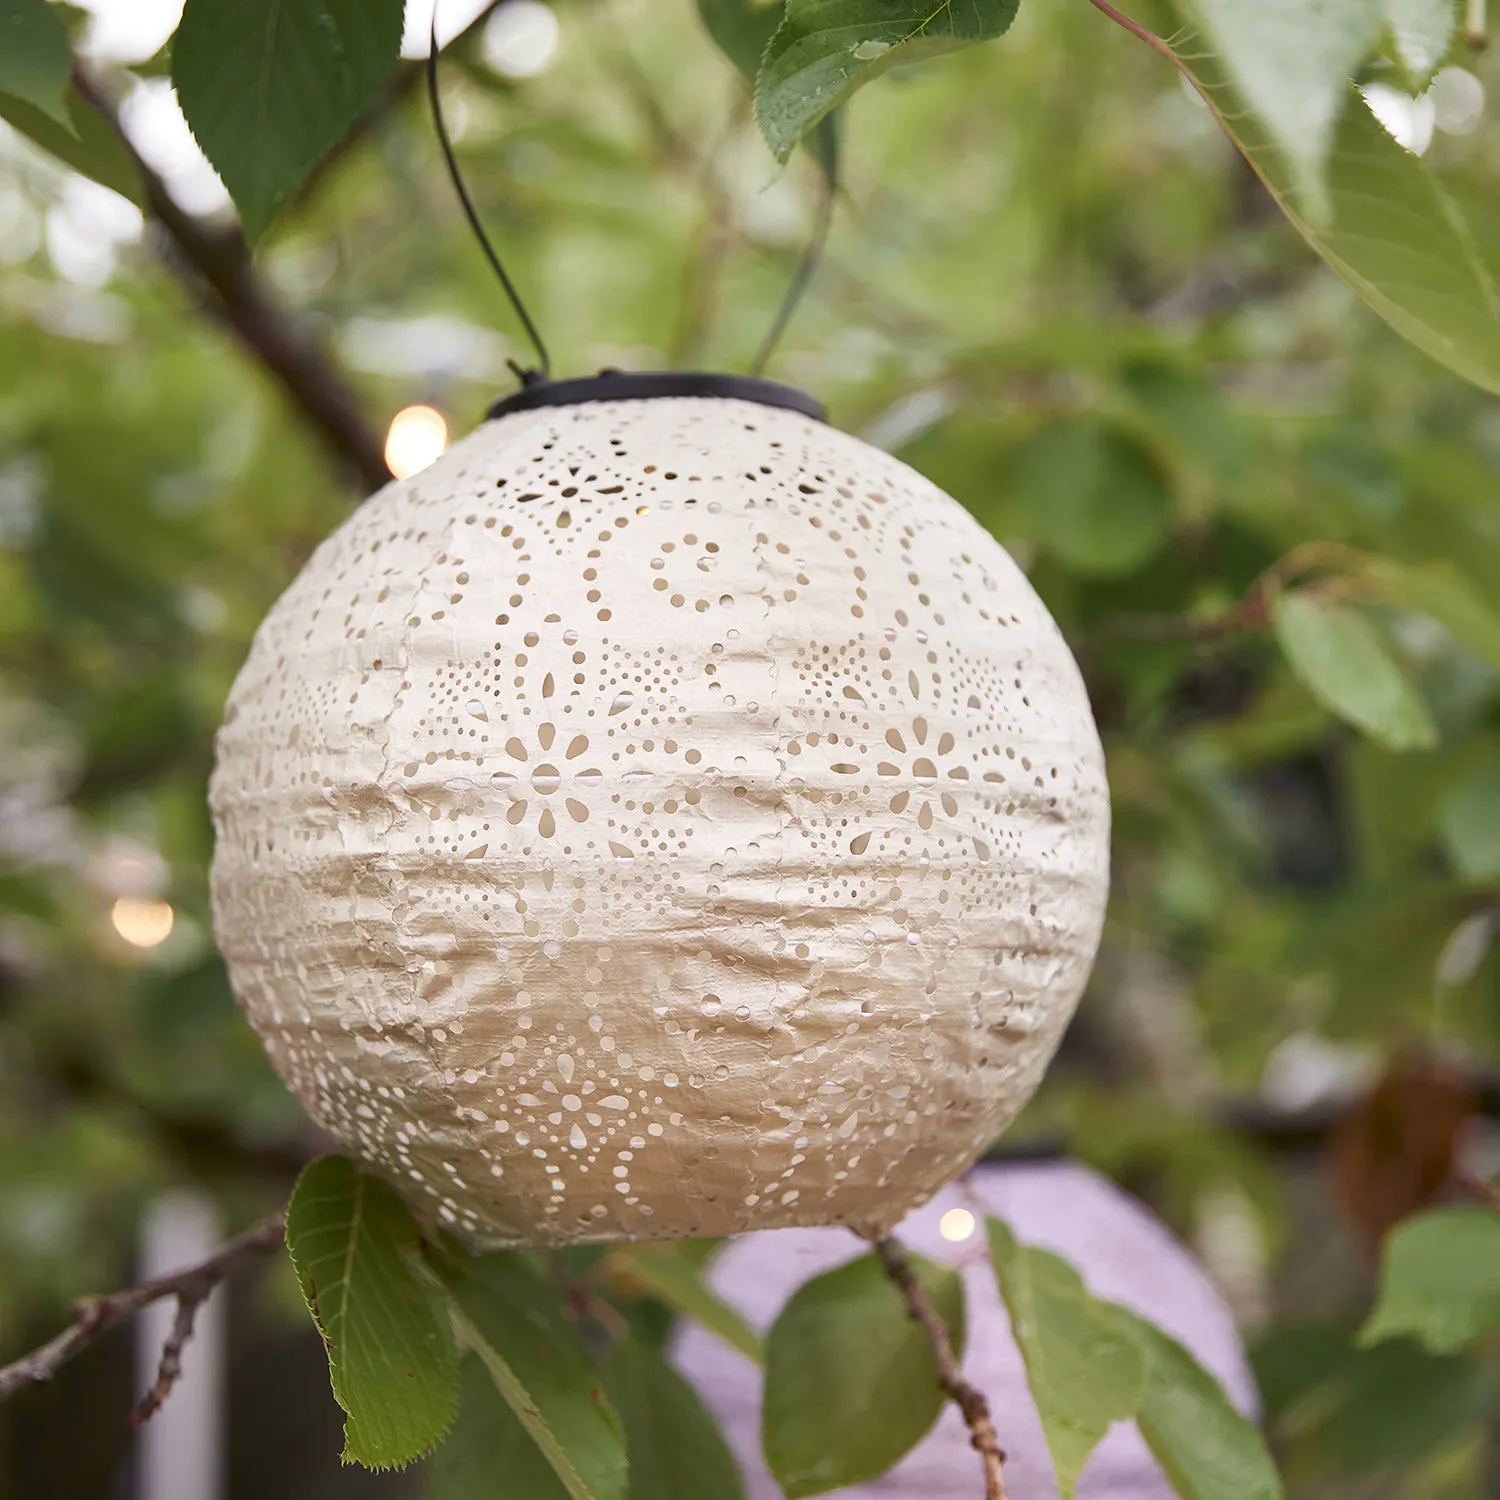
{"x": 825, "y": 148}
{"x": 543, "y": 368}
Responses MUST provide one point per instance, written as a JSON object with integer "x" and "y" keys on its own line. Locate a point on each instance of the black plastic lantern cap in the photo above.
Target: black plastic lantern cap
{"x": 645, "y": 385}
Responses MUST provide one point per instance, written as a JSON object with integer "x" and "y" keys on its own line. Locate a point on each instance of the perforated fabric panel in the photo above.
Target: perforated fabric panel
{"x": 665, "y": 817}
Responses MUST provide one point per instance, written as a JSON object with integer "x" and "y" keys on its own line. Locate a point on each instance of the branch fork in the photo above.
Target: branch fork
{"x": 94, "y": 1317}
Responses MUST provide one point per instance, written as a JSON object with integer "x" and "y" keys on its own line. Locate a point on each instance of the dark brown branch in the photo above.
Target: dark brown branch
{"x": 96, "y": 1316}
{"x": 217, "y": 266}
{"x": 169, "y": 1367}
{"x": 967, "y": 1398}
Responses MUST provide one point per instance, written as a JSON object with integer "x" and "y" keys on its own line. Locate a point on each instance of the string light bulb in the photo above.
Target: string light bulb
{"x": 956, "y": 1225}
{"x": 142, "y": 922}
{"x": 417, "y": 436}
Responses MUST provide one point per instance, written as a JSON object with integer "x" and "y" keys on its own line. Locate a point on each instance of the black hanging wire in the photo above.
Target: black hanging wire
{"x": 543, "y": 369}
{"x": 825, "y": 147}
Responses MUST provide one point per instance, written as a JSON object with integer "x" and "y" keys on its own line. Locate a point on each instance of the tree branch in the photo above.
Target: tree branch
{"x": 216, "y": 264}
{"x": 967, "y": 1398}
{"x": 96, "y": 1316}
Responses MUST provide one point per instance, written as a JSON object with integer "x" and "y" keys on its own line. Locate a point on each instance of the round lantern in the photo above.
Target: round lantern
{"x": 1123, "y": 1253}
{"x": 664, "y": 815}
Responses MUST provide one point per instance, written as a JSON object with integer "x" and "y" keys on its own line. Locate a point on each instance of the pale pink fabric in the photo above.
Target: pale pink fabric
{"x": 1124, "y": 1254}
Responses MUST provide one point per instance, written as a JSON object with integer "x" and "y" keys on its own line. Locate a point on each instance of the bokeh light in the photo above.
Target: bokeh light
{"x": 957, "y": 1224}
{"x": 143, "y": 923}
{"x": 418, "y": 434}
{"x": 521, "y": 38}
{"x": 1457, "y": 101}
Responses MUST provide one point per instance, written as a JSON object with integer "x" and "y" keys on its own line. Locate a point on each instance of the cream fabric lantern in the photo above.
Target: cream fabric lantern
{"x": 661, "y": 816}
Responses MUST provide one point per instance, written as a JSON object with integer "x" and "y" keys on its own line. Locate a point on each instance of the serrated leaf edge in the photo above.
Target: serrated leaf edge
{"x": 307, "y": 1285}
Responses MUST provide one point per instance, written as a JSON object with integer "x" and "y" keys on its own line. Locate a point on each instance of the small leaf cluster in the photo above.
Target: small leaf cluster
{"x": 484, "y": 1359}
{"x": 1440, "y": 1280}
{"x": 502, "y": 1364}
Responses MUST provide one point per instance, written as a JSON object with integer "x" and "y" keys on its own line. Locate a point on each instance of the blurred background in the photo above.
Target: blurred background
{"x": 1053, "y": 287}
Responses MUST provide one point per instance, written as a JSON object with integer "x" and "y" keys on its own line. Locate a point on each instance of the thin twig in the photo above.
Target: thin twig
{"x": 599, "y": 1324}
{"x": 169, "y": 1367}
{"x": 96, "y": 1316}
{"x": 806, "y": 268}
{"x": 967, "y": 1398}
{"x": 1251, "y": 612}
{"x": 1135, "y": 28}
{"x": 718, "y": 236}
{"x": 216, "y": 264}
{"x": 1191, "y": 628}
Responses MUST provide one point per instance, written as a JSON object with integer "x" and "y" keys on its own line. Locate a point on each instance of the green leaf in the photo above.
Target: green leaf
{"x": 269, "y": 85}
{"x": 34, "y": 56}
{"x": 1421, "y": 31}
{"x": 1397, "y": 1406}
{"x": 515, "y": 1322}
{"x": 825, "y": 49}
{"x": 1291, "y": 61}
{"x": 1340, "y": 657}
{"x": 1439, "y": 1280}
{"x": 1359, "y": 1411}
{"x": 676, "y": 1449}
{"x": 1086, "y": 1368}
{"x": 489, "y": 1455}
{"x": 1391, "y": 230}
{"x": 1439, "y": 589}
{"x": 1205, "y": 1446}
{"x": 90, "y": 146}
{"x": 391, "y": 1355}
{"x": 1094, "y": 497}
{"x": 742, "y": 30}
{"x": 1192, "y": 415}
{"x": 676, "y": 1279}
{"x": 1469, "y": 821}
{"x": 850, "y": 1382}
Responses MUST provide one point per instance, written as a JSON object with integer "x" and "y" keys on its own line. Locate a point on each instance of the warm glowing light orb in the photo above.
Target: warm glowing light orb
{"x": 141, "y": 922}
{"x": 956, "y": 1225}
{"x": 417, "y": 436}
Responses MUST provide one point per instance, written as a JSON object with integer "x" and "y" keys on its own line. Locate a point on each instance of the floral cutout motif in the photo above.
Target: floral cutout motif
{"x": 924, "y": 771}
{"x": 546, "y": 779}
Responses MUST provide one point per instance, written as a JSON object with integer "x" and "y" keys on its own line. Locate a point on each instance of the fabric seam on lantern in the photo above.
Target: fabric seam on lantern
{"x": 782, "y": 804}
{"x": 400, "y": 907}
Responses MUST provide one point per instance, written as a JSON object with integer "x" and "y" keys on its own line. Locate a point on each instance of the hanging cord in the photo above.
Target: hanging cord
{"x": 827, "y": 155}
{"x": 543, "y": 369}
